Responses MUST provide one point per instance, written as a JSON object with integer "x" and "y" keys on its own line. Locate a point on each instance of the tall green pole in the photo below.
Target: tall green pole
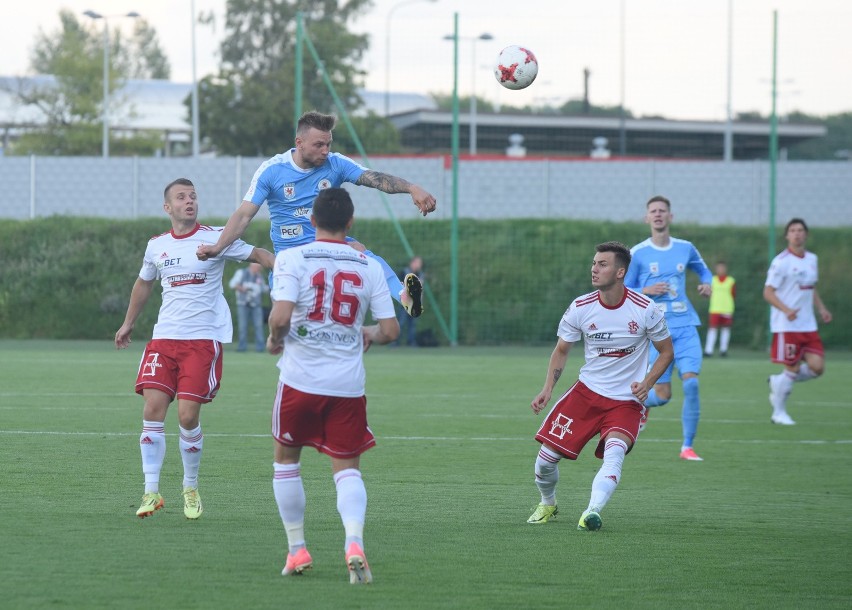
{"x": 773, "y": 137}
{"x": 341, "y": 108}
{"x": 773, "y": 149}
{"x": 454, "y": 224}
{"x": 297, "y": 80}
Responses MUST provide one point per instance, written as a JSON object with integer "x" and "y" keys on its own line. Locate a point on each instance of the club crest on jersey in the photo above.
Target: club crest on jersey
{"x": 633, "y": 327}
{"x": 325, "y": 183}
{"x": 680, "y": 267}
{"x": 561, "y": 426}
{"x": 655, "y": 268}
{"x": 289, "y": 190}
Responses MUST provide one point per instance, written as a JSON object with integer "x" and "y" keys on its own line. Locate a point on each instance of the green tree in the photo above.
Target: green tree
{"x": 444, "y": 102}
{"x": 143, "y": 57}
{"x": 247, "y": 108}
{"x": 837, "y": 143}
{"x": 579, "y": 108}
{"x": 571, "y": 107}
{"x": 69, "y": 96}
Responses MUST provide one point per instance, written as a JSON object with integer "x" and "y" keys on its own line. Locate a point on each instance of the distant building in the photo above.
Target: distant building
{"x": 141, "y": 105}
{"x": 159, "y": 105}
{"x": 156, "y": 105}
{"x": 429, "y": 131}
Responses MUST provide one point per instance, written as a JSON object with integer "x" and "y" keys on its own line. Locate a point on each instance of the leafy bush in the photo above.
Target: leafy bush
{"x": 70, "y": 277}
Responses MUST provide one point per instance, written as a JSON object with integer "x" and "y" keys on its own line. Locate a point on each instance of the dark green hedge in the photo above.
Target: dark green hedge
{"x": 69, "y": 277}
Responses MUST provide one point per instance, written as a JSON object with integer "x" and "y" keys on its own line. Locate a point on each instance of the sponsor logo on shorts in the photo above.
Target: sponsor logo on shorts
{"x": 561, "y": 426}
{"x": 149, "y": 369}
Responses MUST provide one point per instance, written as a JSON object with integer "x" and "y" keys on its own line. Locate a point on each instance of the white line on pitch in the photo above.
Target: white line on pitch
{"x": 439, "y": 438}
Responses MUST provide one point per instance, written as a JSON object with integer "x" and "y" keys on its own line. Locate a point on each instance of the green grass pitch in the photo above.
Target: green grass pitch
{"x": 764, "y": 522}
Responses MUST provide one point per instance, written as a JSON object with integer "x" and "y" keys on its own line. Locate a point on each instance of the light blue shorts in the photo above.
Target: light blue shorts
{"x": 687, "y": 353}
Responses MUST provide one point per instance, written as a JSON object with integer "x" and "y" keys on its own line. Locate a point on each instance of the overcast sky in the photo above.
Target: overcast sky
{"x": 676, "y": 51}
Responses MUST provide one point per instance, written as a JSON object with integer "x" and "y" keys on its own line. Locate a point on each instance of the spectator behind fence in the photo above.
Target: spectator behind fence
{"x": 407, "y": 322}
{"x": 250, "y": 287}
{"x": 721, "y": 311}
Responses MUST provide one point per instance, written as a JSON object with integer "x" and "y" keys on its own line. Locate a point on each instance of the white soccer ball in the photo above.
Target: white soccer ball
{"x": 516, "y": 67}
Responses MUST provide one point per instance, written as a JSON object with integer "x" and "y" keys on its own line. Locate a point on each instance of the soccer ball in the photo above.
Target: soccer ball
{"x": 516, "y": 67}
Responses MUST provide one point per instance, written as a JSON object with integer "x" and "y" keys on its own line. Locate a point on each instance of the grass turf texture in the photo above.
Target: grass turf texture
{"x": 765, "y": 521}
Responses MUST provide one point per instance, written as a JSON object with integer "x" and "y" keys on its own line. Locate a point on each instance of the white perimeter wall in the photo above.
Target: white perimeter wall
{"x": 712, "y": 193}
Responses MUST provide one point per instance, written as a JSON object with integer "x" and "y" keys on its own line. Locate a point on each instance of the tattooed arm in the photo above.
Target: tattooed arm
{"x": 554, "y": 371}
{"x": 386, "y": 183}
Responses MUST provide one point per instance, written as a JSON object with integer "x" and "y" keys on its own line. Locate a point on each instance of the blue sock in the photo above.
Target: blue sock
{"x": 394, "y": 285}
{"x": 691, "y": 410}
{"x": 653, "y": 400}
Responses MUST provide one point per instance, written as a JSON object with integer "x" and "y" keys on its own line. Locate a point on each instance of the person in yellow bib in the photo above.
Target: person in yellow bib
{"x": 721, "y": 311}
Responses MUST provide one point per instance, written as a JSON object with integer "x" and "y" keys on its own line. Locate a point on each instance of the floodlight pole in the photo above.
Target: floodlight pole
{"x": 454, "y": 223}
{"x": 195, "y": 146}
{"x": 728, "y": 153}
{"x": 473, "y": 39}
{"x": 622, "y": 122}
{"x": 105, "y": 135}
{"x": 773, "y": 137}
{"x": 95, "y": 15}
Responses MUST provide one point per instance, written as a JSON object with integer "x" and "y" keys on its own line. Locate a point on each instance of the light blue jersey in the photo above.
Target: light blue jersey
{"x": 289, "y": 191}
{"x": 652, "y": 264}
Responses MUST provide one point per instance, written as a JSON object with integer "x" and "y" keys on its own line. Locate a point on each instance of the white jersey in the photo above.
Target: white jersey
{"x": 333, "y": 285}
{"x": 194, "y": 305}
{"x": 616, "y": 340}
{"x": 794, "y": 279}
